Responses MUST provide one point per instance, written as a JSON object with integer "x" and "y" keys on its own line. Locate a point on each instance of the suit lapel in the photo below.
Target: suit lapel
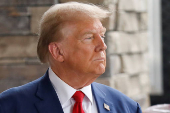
{"x": 100, "y": 100}
{"x": 49, "y": 102}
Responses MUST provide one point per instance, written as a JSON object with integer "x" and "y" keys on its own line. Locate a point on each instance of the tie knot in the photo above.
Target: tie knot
{"x": 78, "y": 96}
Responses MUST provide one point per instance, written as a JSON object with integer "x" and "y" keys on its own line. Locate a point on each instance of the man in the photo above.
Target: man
{"x": 71, "y": 40}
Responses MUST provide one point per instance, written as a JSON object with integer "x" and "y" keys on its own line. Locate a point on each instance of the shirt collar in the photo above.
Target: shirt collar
{"x": 64, "y": 91}
{"x": 88, "y": 92}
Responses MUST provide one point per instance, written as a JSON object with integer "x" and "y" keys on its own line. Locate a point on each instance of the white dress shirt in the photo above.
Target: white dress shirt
{"x": 65, "y": 93}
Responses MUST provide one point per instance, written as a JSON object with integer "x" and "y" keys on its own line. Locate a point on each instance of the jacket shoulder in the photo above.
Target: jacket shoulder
{"x": 26, "y": 88}
{"x": 17, "y": 95}
{"x": 117, "y": 98}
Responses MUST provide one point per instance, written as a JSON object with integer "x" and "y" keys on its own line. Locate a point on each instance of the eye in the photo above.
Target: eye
{"x": 102, "y": 37}
{"x": 89, "y": 38}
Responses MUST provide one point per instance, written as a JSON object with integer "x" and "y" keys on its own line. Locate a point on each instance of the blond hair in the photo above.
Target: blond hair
{"x": 50, "y": 23}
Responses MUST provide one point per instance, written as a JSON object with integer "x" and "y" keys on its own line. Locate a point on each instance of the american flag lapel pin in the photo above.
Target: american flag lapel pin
{"x": 106, "y": 107}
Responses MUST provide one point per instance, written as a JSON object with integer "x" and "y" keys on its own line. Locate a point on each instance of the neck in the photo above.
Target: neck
{"x": 74, "y": 79}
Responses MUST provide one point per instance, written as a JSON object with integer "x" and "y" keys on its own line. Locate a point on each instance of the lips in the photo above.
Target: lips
{"x": 100, "y": 59}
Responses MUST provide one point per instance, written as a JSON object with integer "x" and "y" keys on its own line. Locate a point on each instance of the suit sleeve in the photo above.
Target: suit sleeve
{"x": 138, "y": 109}
{"x": 1, "y": 109}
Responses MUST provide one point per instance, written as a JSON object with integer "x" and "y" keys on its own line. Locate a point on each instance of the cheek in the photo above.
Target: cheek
{"x": 86, "y": 51}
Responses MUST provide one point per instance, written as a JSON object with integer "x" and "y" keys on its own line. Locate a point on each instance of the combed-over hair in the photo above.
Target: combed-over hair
{"x": 50, "y": 23}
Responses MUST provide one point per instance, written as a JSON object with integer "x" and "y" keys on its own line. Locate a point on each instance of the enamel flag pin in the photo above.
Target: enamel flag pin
{"x": 106, "y": 107}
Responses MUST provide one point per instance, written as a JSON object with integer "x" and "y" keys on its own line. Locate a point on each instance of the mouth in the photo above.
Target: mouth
{"x": 100, "y": 59}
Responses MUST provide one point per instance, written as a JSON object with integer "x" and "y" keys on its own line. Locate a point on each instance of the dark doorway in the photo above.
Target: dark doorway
{"x": 165, "y": 98}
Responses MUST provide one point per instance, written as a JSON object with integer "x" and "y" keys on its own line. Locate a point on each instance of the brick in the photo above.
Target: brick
{"x": 84, "y": 1}
{"x": 11, "y": 61}
{"x": 111, "y": 38}
{"x": 133, "y": 43}
{"x": 25, "y": 2}
{"x": 18, "y": 46}
{"x": 143, "y": 21}
{"x": 9, "y": 83}
{"x": 115, "y": 1}
{"x": 32, "y": 61}
{"x": 108, "y": 2}
{"x": 16, "y": 75}
{"x": 134, "y": 88}
{"x": 143, "y": 41}
{"x": 115, "y": 64}
{"x": 110, "y": 22}
{"x": 97, "y": 2}
{"x": 126, "y": 5}
{"x": 141, "y": 5}
{"x": 36, "y": 14}
{"x": 130, "y": 86}
{"x": 16, "y": 61}
{"x": 119, "y": 42}
{"x": 132, "y": 63}
{"x": 143, "y": 100}
{"x": 133, "y": 5}
{"x": 145, "y": 62}
{"x": 122, "y": 82}
{"x": 128, "y": 22}
{"x": 13, "y": 11}
{"x": 105, "y": 81}
{"x": 14, "y": 20}
{"x": 145, "y": 82}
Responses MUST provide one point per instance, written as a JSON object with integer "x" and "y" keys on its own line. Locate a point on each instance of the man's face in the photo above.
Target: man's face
{"x": 84, "y": 47}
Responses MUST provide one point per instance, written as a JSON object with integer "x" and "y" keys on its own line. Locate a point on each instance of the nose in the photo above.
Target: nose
{"x": 100, "y": 46}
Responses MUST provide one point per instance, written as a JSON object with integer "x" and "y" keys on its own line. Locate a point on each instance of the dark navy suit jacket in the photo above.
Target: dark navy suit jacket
{"x": 39, "y": 96}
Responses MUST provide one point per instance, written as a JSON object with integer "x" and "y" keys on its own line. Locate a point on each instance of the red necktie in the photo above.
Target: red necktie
{"x": 78, "y": 97}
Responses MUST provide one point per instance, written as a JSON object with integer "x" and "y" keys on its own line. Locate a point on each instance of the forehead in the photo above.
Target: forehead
{"x": 90, "y": 26}
{"x": 81, "y": 27}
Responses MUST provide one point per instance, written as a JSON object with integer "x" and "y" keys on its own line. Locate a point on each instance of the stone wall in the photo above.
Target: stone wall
{"x": 18, "y": 40}
{"x": 127, "y": 51}
{"x": 126, "y": 38}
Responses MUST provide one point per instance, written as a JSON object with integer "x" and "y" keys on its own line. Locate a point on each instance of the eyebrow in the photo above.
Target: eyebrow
{"x": 104, "y": 29}
{"x": 92, "y": 31}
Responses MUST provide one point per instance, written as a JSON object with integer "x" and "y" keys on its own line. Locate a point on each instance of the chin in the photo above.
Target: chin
{"x": 100, "y": 71}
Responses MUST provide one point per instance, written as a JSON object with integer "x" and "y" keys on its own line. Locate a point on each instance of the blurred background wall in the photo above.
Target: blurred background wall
{"x": 165, "y": 39}
{"x": 127, "y": 38}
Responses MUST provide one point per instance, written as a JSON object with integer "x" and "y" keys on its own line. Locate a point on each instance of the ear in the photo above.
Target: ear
{"x": 56, "y": 52}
